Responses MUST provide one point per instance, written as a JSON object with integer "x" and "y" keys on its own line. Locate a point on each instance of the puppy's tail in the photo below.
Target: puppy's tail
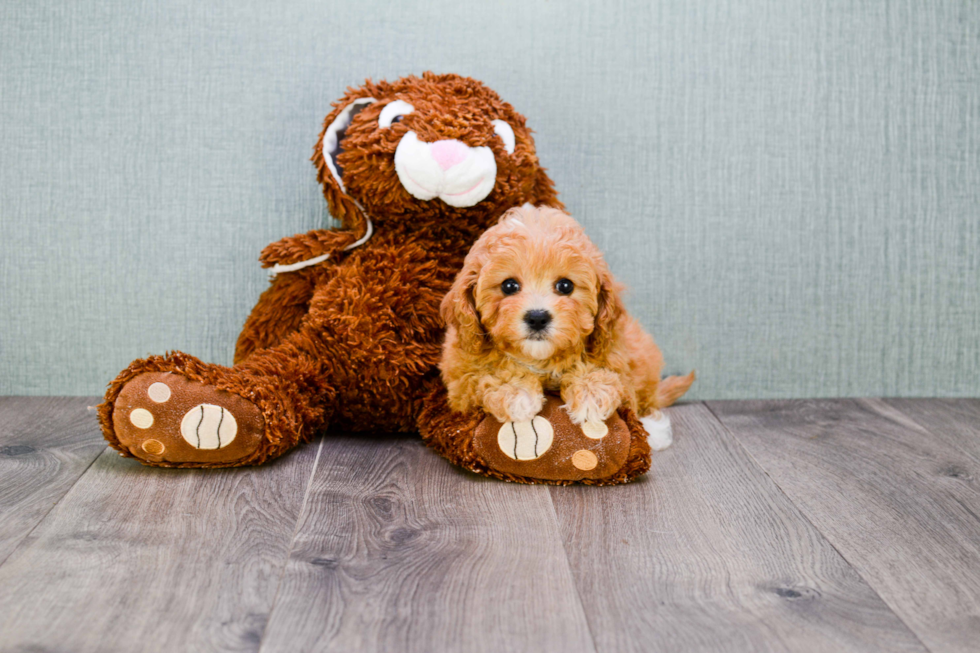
{"x": 671, "y": 389}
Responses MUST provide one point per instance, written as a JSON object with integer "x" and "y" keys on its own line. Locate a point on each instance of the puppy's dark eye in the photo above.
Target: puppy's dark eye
{"x": 564, "y": 287}
{"x": 510, "y": 287}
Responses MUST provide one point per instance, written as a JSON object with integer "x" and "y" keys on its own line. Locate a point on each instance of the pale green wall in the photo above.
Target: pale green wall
{"x": 790, "y": 187}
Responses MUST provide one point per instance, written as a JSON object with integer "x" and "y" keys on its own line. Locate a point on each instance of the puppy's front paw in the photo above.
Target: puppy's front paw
{"x": 510, "y": 403}
{"x": 587, "y": 411}
{"x": 594, "y": 403}
{"x": 523, "y": 406}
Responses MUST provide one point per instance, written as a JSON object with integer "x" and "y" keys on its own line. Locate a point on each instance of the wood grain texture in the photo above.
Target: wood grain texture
{"x": 46, "y": 444}
{"x": 902, "y": 505}
{"x": 707, "y": 554}
{"x": 955, "y": 422}
{"x": 399, "y": 551}
{"x": 138, "y": 559}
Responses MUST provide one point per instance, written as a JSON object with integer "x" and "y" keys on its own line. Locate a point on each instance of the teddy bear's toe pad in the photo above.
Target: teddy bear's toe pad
{"x": 207, "y": 426}
{"x": 162, "y": 417}
{"x": 526, "y": 440}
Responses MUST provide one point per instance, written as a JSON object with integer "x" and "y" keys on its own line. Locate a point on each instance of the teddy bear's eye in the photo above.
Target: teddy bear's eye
{"x": 510, "y": 287}
{"x": 564, "y": 287}
{"x": 506, "y": 134}
{"x": 394, "y": 112}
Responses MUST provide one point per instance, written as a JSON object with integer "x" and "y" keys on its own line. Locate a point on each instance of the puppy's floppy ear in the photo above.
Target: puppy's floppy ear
{"x": 458, "y": 308}
{"x": 607, "y": 319}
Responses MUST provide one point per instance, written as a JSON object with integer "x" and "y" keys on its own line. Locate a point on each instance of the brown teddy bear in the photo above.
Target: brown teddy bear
{"x": 348, "y": 334}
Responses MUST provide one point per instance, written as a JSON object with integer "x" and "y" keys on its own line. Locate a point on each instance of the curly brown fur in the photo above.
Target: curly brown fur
{"x": 353, "y": 342}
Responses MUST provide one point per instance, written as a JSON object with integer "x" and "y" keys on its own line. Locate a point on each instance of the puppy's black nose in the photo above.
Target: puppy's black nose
{"x": 537, "y": 320}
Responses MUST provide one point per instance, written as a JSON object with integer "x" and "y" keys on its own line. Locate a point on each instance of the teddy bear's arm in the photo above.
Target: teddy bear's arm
{"x": 302, "y": 247}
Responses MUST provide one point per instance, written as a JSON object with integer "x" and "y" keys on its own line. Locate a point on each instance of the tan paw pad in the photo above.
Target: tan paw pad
{"x": 207, "y": 426}
{"x": 526, "y": 440}
{"x": 584, "y": 459}
{"x": 595, "y": 430}
{"x": 153, "y": 447}
{"x": 159, "y": 392}
{"x": 141, "y": 418}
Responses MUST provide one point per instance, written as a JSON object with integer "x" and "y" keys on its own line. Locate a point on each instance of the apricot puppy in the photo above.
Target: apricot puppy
{"x": 534, "y": 309}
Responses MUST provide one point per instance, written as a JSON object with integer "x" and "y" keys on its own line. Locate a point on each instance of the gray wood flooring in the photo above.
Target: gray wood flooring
{"x": 811, "y": 525}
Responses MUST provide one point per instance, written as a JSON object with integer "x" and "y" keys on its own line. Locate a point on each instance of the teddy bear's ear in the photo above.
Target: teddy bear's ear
{"x": 331, "y": 143}
{"x": 333, "y": 136}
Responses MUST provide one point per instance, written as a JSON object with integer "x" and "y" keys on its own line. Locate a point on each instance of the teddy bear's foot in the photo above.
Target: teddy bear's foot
{"x": 657, "y": 425}
{"x": 549, "y": 448}
{"x": 163, "y": 418}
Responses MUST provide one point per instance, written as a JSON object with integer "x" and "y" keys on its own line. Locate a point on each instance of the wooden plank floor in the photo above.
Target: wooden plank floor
{"x": 899, "y": 503}
{"x": 823, "y": 525}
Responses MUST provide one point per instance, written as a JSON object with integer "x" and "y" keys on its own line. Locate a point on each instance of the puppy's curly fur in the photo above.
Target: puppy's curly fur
{"x": 535, "y": 309}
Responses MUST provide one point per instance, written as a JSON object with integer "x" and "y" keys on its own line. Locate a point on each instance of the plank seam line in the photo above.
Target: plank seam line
{"x": 54, "y": 505}
{"x": 807, "y": 519}
{"x": 292, "y": 542}
{"x": 571, "y": 572}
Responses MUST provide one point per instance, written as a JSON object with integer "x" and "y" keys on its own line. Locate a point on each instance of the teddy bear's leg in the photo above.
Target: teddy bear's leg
{"x": 179, "y": 411}
{"x": 176, "y": 410}
{"x": 360, "y": 356}
{"x": 278, "y": 313}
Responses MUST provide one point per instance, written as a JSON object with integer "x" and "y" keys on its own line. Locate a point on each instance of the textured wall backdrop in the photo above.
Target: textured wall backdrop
{"x": 791, "y": 188}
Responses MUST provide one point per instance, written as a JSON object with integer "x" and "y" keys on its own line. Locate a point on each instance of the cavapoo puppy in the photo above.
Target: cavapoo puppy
{"x": 535, "y": 309}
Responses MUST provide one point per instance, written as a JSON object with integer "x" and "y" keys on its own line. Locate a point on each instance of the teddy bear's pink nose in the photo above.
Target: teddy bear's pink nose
{"x": 448, "y": 153}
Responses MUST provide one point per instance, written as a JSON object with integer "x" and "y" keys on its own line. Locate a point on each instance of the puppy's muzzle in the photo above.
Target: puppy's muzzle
{"x": 537, "y": 320}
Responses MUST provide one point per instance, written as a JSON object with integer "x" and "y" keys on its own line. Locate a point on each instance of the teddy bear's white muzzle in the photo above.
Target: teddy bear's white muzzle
{"x": 450, "y": 170}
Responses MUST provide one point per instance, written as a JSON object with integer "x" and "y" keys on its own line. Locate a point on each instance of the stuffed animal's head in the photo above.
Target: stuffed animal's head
{"x": 440, "y": 149}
